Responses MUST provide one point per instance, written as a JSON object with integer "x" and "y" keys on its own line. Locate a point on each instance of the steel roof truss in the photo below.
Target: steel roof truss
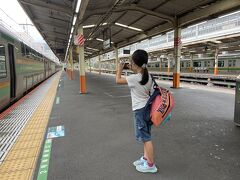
{"x": 48, "y": 23}
{"x": 145, "y": 11}
{"x": 208, "y": 11}
{"x": 47, "y": 5}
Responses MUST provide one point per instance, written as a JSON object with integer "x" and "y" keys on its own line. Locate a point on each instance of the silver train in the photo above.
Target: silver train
{"x": 21, "y": 68}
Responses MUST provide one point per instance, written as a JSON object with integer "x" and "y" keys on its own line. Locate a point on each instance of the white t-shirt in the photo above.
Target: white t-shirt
{"x": 139, "y": 93}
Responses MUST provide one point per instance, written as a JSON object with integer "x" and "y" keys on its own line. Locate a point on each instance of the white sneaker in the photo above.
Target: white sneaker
{"x": 145, "y": 168}
{"x": 139, "y": 161}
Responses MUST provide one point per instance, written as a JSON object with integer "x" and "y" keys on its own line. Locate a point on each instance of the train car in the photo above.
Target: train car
{"x": 228, "y": 64}
{"x": 21, "y": 68}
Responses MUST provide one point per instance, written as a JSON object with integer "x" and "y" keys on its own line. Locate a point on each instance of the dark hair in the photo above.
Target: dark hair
{"x": 139, "y": 58}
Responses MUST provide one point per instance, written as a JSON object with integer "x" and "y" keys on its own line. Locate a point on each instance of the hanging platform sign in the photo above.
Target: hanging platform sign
{"x": 106, "y": 38}
{"x": 79, "y": 40}
{"x": 106, "y": 44}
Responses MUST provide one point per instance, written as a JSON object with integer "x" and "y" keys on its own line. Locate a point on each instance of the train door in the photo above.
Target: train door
{"x": 45, "y": 69}
{"x": 12, "y": 71}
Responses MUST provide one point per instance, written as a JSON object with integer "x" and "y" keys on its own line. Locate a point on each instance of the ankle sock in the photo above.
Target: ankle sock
{"x": 150, "y": 164}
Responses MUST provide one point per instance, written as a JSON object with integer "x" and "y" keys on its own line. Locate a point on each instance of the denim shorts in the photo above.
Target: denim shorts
{"x": 142, "y": 124}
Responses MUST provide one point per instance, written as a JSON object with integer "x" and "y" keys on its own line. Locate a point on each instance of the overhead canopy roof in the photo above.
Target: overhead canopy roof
{"x": 228, "y": 43}
{"x": 142, "y": 19}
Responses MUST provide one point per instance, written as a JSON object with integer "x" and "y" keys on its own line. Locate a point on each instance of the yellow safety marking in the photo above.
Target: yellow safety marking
{"x": 30, "y": 137}
{"x": 20, "y": 175}
{"x": 22, "y": 153}
{"x": 26, "y": 144}
{"x": 33, "y": 131}
{"x": 21, "y": 160}
{"x": 17, "y": 165}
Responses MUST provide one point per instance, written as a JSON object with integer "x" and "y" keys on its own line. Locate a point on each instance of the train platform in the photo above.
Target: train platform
{"x": 90, "y": 136}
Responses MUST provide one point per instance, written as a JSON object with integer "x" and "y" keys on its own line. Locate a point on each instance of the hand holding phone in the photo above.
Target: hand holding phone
{"x": 126, "y": 66}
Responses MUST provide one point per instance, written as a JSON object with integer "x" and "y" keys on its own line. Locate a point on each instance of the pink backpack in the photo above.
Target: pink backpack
{"x": 162, "y": 103}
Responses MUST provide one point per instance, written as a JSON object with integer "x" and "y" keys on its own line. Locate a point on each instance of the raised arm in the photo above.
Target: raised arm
{"x": 119, "y": 78}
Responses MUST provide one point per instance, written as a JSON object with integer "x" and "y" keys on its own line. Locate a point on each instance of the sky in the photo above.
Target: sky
{"x": 14, "y": 10}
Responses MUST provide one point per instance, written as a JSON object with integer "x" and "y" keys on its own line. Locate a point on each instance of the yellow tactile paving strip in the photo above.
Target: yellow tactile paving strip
{"x": 21, "y": 160}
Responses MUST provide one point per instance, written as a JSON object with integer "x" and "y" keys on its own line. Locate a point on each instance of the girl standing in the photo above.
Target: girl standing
{"x": 140, "y": 84}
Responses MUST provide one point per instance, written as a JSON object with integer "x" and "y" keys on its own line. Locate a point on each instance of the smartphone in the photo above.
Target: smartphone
{"x": 126, "y": 66}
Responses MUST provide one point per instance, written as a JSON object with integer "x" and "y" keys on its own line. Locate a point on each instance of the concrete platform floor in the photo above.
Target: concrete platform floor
{"x": 201, "y": 141}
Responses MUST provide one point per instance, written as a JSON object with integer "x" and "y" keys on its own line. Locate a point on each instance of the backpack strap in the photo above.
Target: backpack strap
{"x": 156, "y": 92}
{"x": 155, "y": 85}
{"x": 153, "y": 79}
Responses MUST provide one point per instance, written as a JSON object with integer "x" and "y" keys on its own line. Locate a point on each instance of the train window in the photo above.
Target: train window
{"x": 182, "y": 65}
{"x": 23, "y": 50}
{"x": 38, "y": 56}
{"x": 197, "y": 64}
{"x": 200, "y": 64}
{"x": 3, "y": 69}
{"x": 206, "y": 63}
{"x": 220, "y": 63}
{"x": 34, "y": 54}
{"x": 27, "y": 50}
{"x": 231, "y": 63}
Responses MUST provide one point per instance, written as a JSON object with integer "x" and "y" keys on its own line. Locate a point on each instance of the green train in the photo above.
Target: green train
{"x": 21, "y": 68}
{"x": 227, "y": 64}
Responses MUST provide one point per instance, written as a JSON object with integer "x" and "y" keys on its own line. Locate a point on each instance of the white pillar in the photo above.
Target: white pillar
{"x": 216, "y": 61}
{"x": 191, "y": 63}
{"x": 168, "y": 68}
{"x": 99, "y": 64}
{"x": 90, "y": 64}
{"x": 117, "y": 58}
{"x": 81, "y": 65}
{"x": 177, "y": 55}
{"x": 160, "y": 63}
{"x": 71, "y": 63}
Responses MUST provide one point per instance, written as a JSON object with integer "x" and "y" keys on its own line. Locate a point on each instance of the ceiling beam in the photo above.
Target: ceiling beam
{"x": 52, "y": 34}
{"x": 104, "y": 17}
{"x": 47, "y": 5}
{"x": 218, "y": 8}
{"x": 158, "y": 6}
{"x": 60, "y": 20}
{"x": 48, "y": 23}
{"x": 46, "y": 31}
{"x": 146, "y": 11}
{"x": 95, "y": 12}
{"x": 154, "y": 31}
{"x": 53, "y": 39}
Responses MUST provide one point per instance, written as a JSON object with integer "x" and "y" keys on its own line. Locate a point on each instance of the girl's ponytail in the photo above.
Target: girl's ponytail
{"x": 145, "y": 76}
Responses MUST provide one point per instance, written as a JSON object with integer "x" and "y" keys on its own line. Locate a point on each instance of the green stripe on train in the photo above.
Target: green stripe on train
{"x": 4, "y": 91}
{"x": 231, "y": 68}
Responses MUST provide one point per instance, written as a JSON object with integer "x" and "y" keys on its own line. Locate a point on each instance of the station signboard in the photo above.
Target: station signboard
{"x": 126, "y": 51}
